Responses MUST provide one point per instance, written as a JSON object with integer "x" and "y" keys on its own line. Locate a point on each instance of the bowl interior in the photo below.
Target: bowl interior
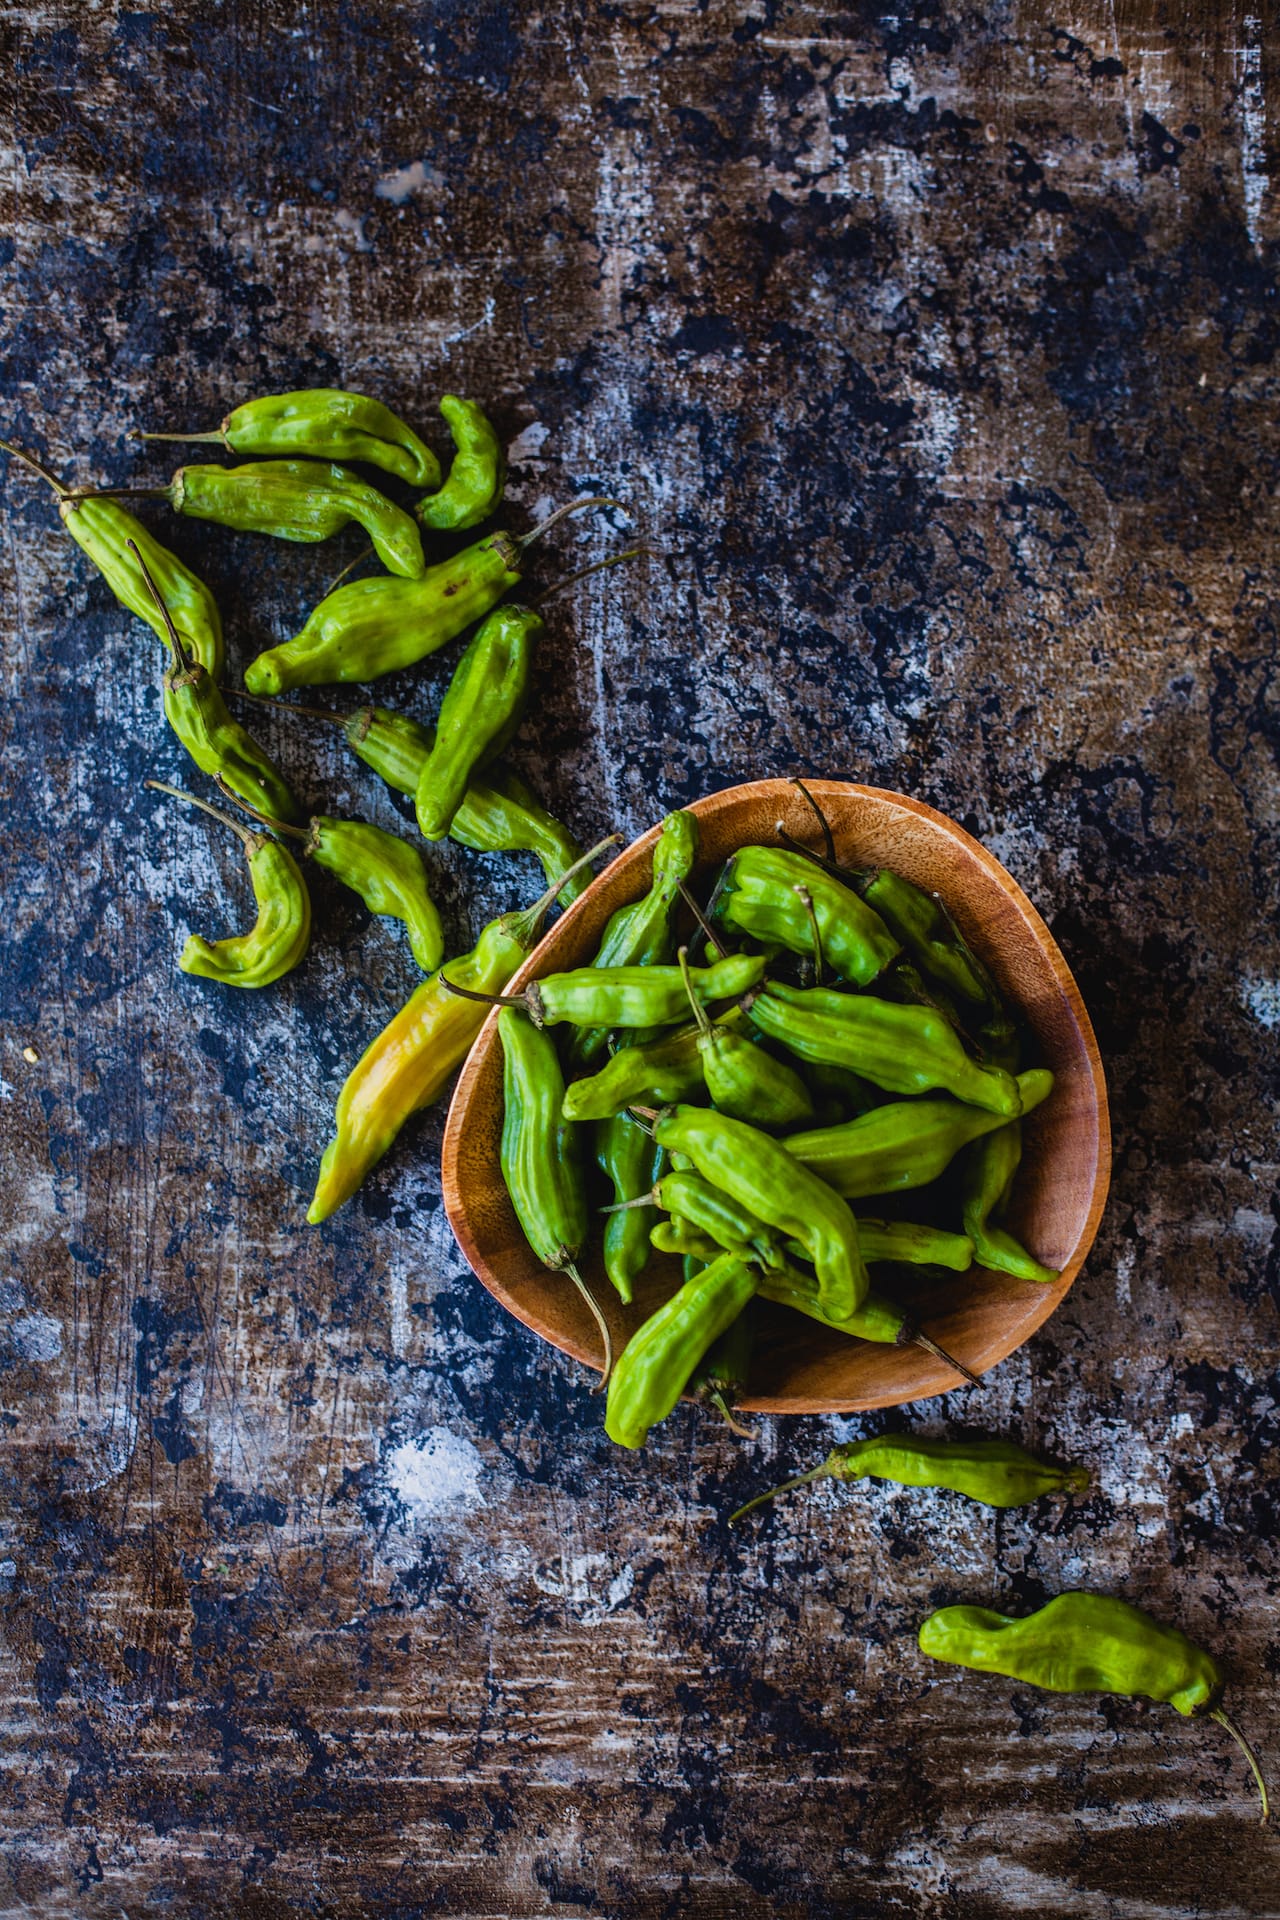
{"x": 799, "y": 1366}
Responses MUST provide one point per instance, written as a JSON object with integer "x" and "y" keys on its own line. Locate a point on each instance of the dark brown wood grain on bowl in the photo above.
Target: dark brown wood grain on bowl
{"x": 1062, "y": 1184}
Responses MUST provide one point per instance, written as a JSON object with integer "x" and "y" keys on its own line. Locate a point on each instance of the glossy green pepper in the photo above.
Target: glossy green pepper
{"x": 541, "y": 1158}
{"x": 498, "y": 814}
{"x": 742, "y": 1079}
{"x": 641, "y": 934}
{"x": 658, "y": 1361}
{"x": 997, "y": 1473}
{"x": 219, "y": 745}
{"x": 989, "y": 1170}
{"x": 627, "y": 1155}
{"x": 905, "y": 1049}
{"x": 930, "y": 936}
{"x": 410, "y": 1063}
{"x": 907, "y": 1143}
{"x": 1088, "y": 1643}
{"x": 761, "y": 1174}
{"x": 279, "y": 936}
{"x": 633, "y": 996}
{"x": 654, "y": 1073}
{"x": 902, "y": 1242}
{"x": 481, "y": 710}
{"x": 324, "y": 423}
{"x": 371, "y": 627}
{"x": 303, "y": 500}
{"x": 124, "y": 551}
{"x": 473, "y": 489}
{"x": 761, "y": 894}
{"x": 384, "y": 870}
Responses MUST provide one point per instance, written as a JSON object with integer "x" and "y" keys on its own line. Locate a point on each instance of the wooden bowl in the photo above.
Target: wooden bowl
{"x": 799, "y": 1366}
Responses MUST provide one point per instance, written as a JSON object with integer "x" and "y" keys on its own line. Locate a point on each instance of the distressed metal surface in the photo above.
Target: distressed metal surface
{"x": 940, "y": 346}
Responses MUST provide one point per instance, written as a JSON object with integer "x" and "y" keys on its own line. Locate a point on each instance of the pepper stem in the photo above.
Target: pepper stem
{"x": 1224, "y": 1720}
{"x": 806, "y": 901}
{"x": 597, "y": 566}
{"x": 699, "y": 1011}
{"x": 350, "y": 567}
{"x": 531, "y": 919}
{"x": 828, "y": 839}
{"x": 940, "y": 1353}
{"x": 807, "y": 853}
{"x": 490, "y": 999}
{"x": 247, "y": 835}
{"x": 267, "y": 819}
{"x": 650, "y": 1199}
{"x": 288, "y": 706}
{"x": 701, "y": 918}
{"x": 821, "y": 1472}
{"x": 571, "y": 506}
{"x": 215, "y": 439}
{"x": 721, "y": 1406}
{"x": 117, "y": 493}
{"x": 29, "y": 460}
{"x": 602, "y": 1324}
{"x": 183, "y": 659}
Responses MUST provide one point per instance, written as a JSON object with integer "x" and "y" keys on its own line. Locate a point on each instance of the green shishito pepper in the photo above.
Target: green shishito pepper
{"x": 742, "y": 1079}
{"x": 473, "y": 489}
{"x": 303, "y": 500}
{"x": 371, "y": 627}
{"x": 498, "y": 814}
{"x": 904, "y": 1049}
{"x": 782, "y": 899}
{"x": 124, "y": 551}
{"x": 908, "y": 1143}
{"x": 996, "y": 1473}
{"x": 658, "y": 1073}
{"x": 989, "y": 1171}
{"x": 385, "y": 871}
{"x": 1089, "y": 1643}
{"x": 482, "y": 708}
{"x": 633, "y": 996}
{"x": 627, "y": 1155}
{"x": 409, "y": 1064}
{"x": 280, "y": 934}
{"x": 658, "y": 1361}
{"x": 541, "y": 1157}
{"x": 640, "y": 934}
{"x": 759, "y": 1173}
{"x": 323, "y": 423}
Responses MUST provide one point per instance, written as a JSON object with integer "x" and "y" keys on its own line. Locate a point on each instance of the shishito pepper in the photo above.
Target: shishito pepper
{"x": 323, "y": 423}
{"x": 482, "y": 707}
{"x": 411, "y": 1061}
{"x": 279, "y": 936}
{"x": 996, "y": 1473}
{"x": 989, "y": 1170}
{"x": 742, "y": 1079}
{"x": 641, "y": 934}
{"x": 657, "y": 1073}
{"x": 658, "y": 1361}
{"x": 627, "y": 1155}
{"x": 473, "y": 489}
{"x": 762, "y": 894}
{"x": 371, "y": 627}
{"x": 631, "y": 996}
{"x": 1089, "y": 1643}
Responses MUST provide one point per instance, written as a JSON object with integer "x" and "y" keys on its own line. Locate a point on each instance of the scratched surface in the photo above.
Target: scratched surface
{"x": 938, "y": 348}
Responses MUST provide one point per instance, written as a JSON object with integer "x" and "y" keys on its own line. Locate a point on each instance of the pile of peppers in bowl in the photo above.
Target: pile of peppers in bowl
{"x": 832, "y": 1039}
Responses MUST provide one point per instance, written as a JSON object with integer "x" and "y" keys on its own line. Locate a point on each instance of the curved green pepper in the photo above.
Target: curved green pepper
{"x": 908, "y": 1143}
{"x": 656, "y": 1073}
{"x": 905, "y": 1049}
{"x": 625, "y": 1152}
{"x": 282, "y": 931}
{"x": 473, "y": 489}
{"x": 386, "y": 872}
{"x": 482, "y": 708}
{"x": 326, "y": 423}
{"x": 634, "y": 996}
{"x": 641, "y": 934}
{"x": 742, "y": 1079}
{"x": 997, "y": 1473}
{"x": 657, "y": 1362}
{"x": 1088, "y": 1643}
{"x": 989, "y": 1170}
{"x": 762, "y": 894}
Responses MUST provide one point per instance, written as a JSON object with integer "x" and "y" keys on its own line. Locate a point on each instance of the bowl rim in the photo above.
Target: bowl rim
{"x": 534, "y": 965}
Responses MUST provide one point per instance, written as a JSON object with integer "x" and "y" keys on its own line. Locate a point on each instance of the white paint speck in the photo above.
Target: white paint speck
{"x": 36, "y": 1336}
{"x": 438, "y": 1470}
{"x": 1262, "y": 998}
{"x": 1253, "y": 126}
{"x": 398, "y": 186}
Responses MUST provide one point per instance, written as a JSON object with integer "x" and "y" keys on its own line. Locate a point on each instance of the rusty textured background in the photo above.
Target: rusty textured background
{"x": 938, "y": 344}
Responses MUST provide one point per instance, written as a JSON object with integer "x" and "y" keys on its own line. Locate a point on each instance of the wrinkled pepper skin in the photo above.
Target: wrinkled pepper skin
{"x": 996, "y": 1473}
{"x": 388, "y": 875}
{"x": 474, "y": 487}
{"x": 929, "y": 936}
{"x": 904, "y": 1049}
{"x": 658, "y": 1073}
{"x": 757, "y": 896}
{"x": 481, "y": 711}
{"x": 371, "y": 627}
{"x": 742, "y": 1079}
{"x": 303, "y": 500}
{"x": 541, "y": 1155}
{"x": 636, "y": 996}
{"x": 694, "y": 1200}
{"x": 498, "y": 814}
{"x": 324, "y": 423}
{"x": 760, "y": 1174}
{"x": 102, "y": 529}
{"x": 1079, "y": 1643}
{"x": 220, "y": 746}
{"x": 658, "y": 1361}
{"x": 908, "y": 1143}
{"x": 642, "y": 934}
{"x": 989, "y": 1169}
{"x": 278, "y": 938}
{"x": 633, "y": 1164}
